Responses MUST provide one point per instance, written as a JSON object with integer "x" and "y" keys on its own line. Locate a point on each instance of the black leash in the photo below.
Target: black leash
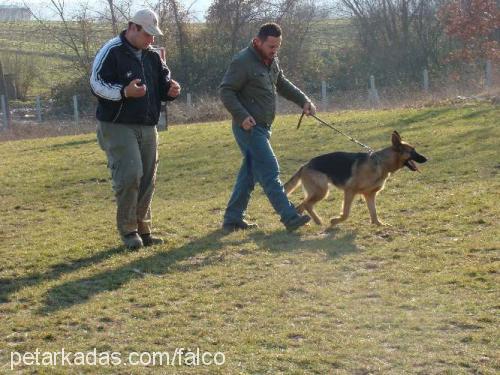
{"x": 337, "y": 130}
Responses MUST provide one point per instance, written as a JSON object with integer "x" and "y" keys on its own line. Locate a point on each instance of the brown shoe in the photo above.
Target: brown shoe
{"x": 149, "y": 240}
{"x": 239, "y": 225}
{"x": 132, "y": 241}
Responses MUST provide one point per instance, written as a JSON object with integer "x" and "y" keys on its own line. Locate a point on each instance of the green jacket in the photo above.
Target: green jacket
{"x": 249, "y": 88}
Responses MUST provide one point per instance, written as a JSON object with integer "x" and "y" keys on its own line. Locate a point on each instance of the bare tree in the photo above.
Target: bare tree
{"x": 181, "y": 16}
{"x": 117, "y": 13}
{"x": 397, "y": 34}
{"x": 297, "y": 19}
{"x": 75, "y": 33}
{"x": 114, "y": 22}
{"x": 175, "y": 20}
{"x": 233, "y": 21}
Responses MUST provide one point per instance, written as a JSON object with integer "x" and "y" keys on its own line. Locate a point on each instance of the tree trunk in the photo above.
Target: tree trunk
{"x": 114, "y": 23}
{"x": 182, "y": 43}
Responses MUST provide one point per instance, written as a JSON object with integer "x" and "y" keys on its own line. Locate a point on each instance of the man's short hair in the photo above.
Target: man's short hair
{"x": 269, "y": 29}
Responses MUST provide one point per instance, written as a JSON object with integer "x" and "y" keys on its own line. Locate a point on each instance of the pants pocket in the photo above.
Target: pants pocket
{"x": 117, "y": 184}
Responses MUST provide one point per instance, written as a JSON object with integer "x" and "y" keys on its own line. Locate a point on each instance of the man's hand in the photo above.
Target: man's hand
{"x": 134, "y": 89}
{"x": 309, "y": 108}
{"x": 248, "y": 123}
{"x": 174, "y": 90}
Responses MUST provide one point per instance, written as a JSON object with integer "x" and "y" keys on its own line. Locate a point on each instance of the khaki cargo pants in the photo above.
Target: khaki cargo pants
{"x": 132, "y": 152}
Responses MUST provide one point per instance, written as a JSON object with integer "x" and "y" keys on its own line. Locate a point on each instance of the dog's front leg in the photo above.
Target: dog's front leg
{"x": 346, "y": 208}
{"x": 370, "y": 202}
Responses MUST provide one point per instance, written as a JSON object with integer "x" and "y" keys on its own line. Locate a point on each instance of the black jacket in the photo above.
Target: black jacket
{"x": 115, "y": 65}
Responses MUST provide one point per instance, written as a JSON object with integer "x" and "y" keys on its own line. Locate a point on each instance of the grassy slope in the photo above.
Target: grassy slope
{"x": 421, "y": 295}
{"x": 28, "y": 35}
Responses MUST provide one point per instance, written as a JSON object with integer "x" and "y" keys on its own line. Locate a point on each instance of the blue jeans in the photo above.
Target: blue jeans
{"x": 259, "y": 165}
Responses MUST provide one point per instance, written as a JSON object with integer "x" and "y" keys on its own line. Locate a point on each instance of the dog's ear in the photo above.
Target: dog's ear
{"x": 396, "y": 139}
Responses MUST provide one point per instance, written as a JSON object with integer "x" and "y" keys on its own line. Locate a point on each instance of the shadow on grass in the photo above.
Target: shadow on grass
{"x": 326, "y": 241}
{"x": 79, "y": 291}
{"x": 9, "y": 286}
{"x": 401, "y": 123}
{"x": 433, "y": 113}
{"x": 479, "y": 113}
{"x": 72, "y": 144}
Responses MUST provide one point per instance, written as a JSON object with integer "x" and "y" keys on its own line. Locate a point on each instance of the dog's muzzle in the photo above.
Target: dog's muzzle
{"x": 415, "y": 156}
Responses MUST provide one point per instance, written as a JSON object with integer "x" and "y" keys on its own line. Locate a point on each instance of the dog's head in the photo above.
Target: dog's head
{"x": 406, "y": 153}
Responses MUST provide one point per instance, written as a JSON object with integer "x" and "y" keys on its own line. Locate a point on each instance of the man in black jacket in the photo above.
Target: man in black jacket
{"x": 130, "y": 81}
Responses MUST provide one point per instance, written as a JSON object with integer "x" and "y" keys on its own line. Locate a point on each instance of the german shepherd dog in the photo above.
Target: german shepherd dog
{"x": 355, "y": 173}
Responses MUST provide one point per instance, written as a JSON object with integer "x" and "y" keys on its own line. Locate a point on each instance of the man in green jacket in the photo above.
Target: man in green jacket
{"x": 248, "y": 91}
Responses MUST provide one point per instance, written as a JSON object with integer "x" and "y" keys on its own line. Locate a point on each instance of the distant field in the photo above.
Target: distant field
{"x": 331, "y": 34}
{"x": 24, "y": 44}
{"x": 419, "y": 297}
{"x": 31, "y": 41}
{"x": 31, "y": 36}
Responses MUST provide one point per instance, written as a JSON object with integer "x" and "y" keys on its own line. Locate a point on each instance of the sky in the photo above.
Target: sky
{"x": 198, "y": 7}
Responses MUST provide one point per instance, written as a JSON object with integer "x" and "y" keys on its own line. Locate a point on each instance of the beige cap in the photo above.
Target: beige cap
{"x": 148, "y": 20}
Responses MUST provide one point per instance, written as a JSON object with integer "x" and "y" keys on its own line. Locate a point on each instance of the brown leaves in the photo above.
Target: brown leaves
{"x": 473, "y": 23}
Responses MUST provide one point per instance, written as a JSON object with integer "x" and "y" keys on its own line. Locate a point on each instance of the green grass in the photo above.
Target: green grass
{"x": 31, "y": 36}
{"x": 418, "y": 297}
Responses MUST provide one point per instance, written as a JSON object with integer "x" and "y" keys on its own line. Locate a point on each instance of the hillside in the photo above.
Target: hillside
{"x": 420, "y": 296}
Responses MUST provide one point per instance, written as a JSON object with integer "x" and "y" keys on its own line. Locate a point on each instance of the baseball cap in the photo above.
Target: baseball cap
{"x": 148, "y": 20}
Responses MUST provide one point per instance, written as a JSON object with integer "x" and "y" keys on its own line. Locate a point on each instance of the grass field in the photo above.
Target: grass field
{"x": 420, "y": 296}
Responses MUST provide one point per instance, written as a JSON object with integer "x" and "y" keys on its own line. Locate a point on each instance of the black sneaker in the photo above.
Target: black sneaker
{"x": 297, "y": 222}
{"x": 239, "y": 225}
{"x": 132, "y": 241}
{"x": 149, "y": 240}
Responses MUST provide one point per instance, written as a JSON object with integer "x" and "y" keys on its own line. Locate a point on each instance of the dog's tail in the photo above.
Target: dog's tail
{"x": 294, "y": 182}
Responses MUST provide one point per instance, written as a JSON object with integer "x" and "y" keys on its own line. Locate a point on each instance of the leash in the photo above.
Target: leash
{"x": 338, "y": 131}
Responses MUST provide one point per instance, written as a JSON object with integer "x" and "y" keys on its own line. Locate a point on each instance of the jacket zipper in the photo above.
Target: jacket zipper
{"x": 147, "y": 91}
{"x": 145, "y": 81}
{"x": 118, "y": 113}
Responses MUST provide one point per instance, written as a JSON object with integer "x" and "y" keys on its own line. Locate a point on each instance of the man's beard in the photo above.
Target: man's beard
{"x": 263, "y": 55}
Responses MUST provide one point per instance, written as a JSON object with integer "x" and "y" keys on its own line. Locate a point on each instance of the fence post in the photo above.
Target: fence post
{"x": 5, "y": 119}
{"x": 488, "y": 75}
{"x": 5, "y": 99}
{"x": 324, "y": 99}
{"x": 373, "y": 93}
{"x": 426, "y": 80}
{"x": 75, "y": 108}
{"x": 38, "y": 109}
{"x": 189, "y": 102}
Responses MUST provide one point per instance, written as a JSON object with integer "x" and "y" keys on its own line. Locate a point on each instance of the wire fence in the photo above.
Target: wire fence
{"x": 43, "y": 115}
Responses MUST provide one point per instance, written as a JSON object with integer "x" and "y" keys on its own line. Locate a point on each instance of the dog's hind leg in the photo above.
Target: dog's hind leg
{"x": 315, "y": 186}
{"x": 370, "y": 202}
{"x": 346, "y": 208}
{"x": 293, "y": 182}
{"x": 309, "y": 206}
